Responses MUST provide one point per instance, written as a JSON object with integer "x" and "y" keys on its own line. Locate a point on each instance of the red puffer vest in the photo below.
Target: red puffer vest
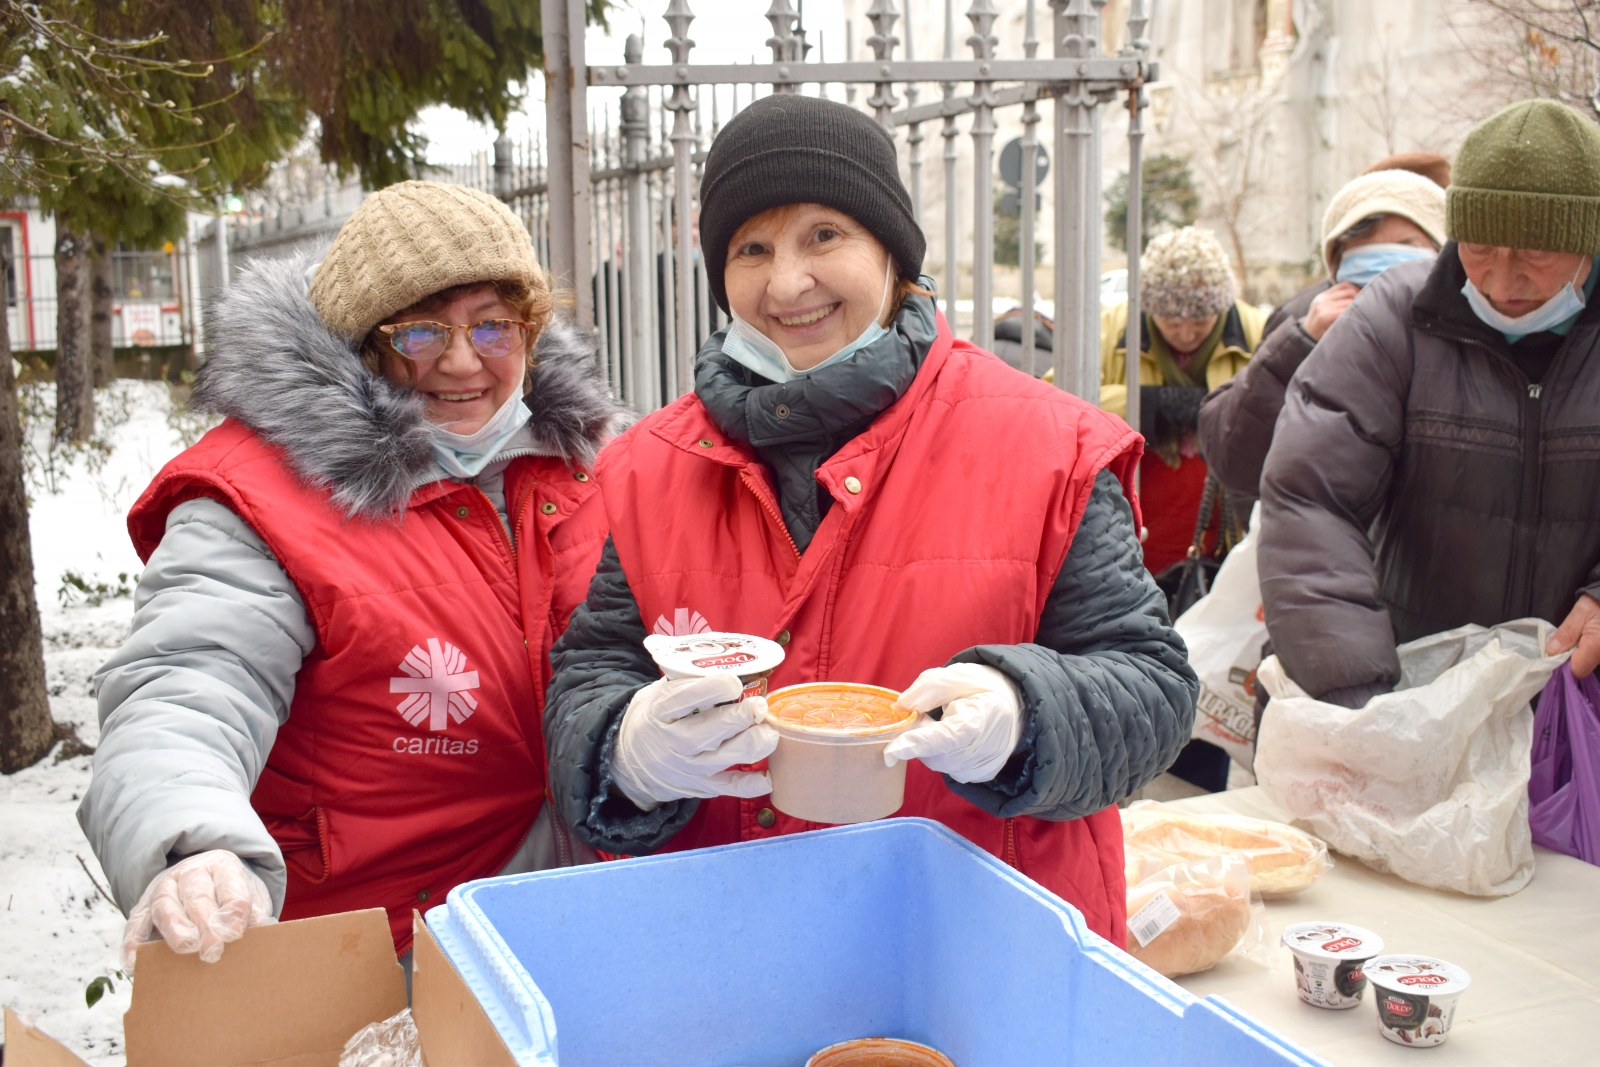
{"x": 413, "y": 758}
{"x": 952, "y": 515}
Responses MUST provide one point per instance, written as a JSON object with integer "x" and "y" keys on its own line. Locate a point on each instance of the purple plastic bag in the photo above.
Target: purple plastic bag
{"x": 1564, "y": 789}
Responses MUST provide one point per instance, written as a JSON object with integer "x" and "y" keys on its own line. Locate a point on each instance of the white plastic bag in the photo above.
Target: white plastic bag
{"x": 1429, "y": 782}
{"x": 392, "y": 1042}
{"x": 1224, "y": 631}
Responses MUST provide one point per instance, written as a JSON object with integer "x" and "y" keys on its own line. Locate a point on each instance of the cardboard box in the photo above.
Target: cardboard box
{"x": 285, "y": 995}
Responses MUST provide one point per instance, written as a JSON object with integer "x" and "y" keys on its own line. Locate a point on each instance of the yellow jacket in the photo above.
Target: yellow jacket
{"x": 1241, "y": 333}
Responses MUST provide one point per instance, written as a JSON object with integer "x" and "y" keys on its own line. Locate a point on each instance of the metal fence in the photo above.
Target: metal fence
{"x": 151, "y": 300}
{"x": 604, "y": 194}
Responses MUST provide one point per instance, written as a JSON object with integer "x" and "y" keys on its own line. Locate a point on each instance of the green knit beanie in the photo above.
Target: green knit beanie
{"x": 1528, "y": 177}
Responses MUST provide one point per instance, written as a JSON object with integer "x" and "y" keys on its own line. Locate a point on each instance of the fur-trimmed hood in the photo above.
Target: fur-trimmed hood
{"x": 276, "y": 368}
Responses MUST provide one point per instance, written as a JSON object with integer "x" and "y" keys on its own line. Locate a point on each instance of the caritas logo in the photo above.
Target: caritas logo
{"x": 1396, "y": 1006}
{"x": 437, "y": 685}
{"x": 1422, "y": 979}
{"x": 1343, "y": 944}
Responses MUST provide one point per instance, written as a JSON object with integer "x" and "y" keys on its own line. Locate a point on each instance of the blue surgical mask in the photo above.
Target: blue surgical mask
{"x": 1555, "y": 312}
{"x": 1365, "y": 262}
{"x": 465, "y": 455}
{"x": 751, "y": 348}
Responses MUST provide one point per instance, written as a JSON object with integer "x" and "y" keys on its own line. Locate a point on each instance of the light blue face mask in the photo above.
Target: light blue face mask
{"x": 1365, "y": 262}
{"x": 1554, "y": 312}
{"x": 465, "y": 455}
{"x": 753, "y": 349}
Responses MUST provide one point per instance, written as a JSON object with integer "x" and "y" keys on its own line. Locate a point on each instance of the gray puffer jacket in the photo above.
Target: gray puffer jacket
{"x": 1108, "y": 694}
{"x": 1426, "y": 474}
{"x": 192, "y": 702}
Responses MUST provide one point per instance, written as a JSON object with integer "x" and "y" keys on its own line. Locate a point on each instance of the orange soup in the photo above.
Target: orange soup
{"x": 837, "y": 707}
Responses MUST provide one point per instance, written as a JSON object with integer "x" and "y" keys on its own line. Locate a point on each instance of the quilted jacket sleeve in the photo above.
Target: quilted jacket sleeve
{"x": 1237, "y": 418}
{"x": 598, "y": 664}
{"x": 190, "y": 705}
{"x": 1108, "y": 694}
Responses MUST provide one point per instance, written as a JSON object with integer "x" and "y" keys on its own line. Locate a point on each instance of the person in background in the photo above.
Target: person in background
{"x": 1197, "y": 335}
{"x": 1433, "y": 464}
{"x": 330, "y": 697}
{"x": 893, "y": 506}
{"x": 1380, "y": 219}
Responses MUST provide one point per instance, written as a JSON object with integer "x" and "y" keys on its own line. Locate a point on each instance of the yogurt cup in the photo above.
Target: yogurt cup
{"x": 1416, "y": 997}
{"x": 879, "y": 1052}
{"x": 828, "y": 766}
{"x": 1329, "y": 961}
{"x": 701, "y": 655}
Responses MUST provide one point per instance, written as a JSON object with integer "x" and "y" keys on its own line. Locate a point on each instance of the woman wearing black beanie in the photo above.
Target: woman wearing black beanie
{"x": 895, "y": 507}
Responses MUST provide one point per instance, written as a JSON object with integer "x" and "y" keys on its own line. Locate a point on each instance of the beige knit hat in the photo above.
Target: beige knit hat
{"x": 413, "y": 239}
{"x": 1185, "y": 274}
{"x": 1383, "y": 192}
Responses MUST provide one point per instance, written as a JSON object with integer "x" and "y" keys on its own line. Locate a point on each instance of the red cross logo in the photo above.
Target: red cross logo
{"x": 437, "y": 685}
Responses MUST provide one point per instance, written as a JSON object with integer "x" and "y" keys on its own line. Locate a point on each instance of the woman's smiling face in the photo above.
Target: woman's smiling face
{"x": 463, "y": 389}
{"x": 809, "y": 277}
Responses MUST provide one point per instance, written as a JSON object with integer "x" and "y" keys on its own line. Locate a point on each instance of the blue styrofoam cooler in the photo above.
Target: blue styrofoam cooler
{"x": 759, "y": 954}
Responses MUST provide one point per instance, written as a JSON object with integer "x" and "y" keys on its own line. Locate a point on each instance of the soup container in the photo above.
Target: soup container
{"x": 879, "y": 1052}
{"x": 1329, "y": 961}
{"x": 752, "y": 658}
{"x": 828, "y": 766}
{"x": 1416, "y": 997}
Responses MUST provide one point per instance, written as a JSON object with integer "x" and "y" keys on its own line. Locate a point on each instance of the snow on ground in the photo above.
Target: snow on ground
{"x": 57, "y": 931}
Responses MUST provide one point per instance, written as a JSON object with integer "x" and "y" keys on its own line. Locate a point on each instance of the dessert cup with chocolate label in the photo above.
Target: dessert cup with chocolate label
{"x": 1416, "y": 997}
{"x": 1329, "y": 961}
{"x": 752, "y": 658}
{"x": 828, "y": 766}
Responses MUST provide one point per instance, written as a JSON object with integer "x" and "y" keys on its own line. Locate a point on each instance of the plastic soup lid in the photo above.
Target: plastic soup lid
{"x": 1337, "y": 941}
{"x": 702, "y": 655}
{"x": 1418, "y": 975}
{"x": 837, "y": 710}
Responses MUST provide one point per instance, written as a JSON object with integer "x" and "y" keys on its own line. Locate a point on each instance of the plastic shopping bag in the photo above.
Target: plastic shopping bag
{"x": 1224, "y": 631}
{"x": 1564, "y": 789}
{"x": 1429, "y": 782}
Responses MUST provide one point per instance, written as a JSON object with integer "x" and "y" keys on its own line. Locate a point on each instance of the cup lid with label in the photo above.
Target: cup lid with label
{"x": 1334, "y": 941}
{"x": 1417, "y": 975}
{"x": 703, "y": 655}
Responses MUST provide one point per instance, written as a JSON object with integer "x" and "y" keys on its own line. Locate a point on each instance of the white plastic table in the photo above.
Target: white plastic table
{"x": 1534, "y": 958}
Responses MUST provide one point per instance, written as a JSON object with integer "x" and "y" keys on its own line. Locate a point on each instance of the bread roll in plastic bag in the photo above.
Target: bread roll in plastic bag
{"x": 1186, "y": 917}
{"x": 391, "y": 1042}
{"x": 1281, "y": 859}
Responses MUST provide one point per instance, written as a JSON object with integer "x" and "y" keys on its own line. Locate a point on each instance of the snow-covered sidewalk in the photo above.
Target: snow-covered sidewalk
{"x": 58, "y": 931}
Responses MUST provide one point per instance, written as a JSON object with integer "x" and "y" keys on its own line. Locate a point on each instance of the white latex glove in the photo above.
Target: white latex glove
{"x": 674, "y": 743}
{"x": 199, "y": 904}
{"x": 981, "y": 724}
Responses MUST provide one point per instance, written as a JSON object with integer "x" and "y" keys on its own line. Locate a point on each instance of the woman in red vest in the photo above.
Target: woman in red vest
{"x": 330, "y": 698}
{"x": 892, "y": 505}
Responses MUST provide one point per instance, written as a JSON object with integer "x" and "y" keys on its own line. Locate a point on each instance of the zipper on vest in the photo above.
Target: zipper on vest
{"x": 1011, "y": 843}
{"x": 513, "y": 516}
{"x": 773, "y": 512}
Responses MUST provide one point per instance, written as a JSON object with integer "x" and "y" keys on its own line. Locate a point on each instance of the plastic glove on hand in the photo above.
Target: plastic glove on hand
{"x": 199, "y": 904}
{"x": 679, "y": 737}
{"x": 980, "y": 728}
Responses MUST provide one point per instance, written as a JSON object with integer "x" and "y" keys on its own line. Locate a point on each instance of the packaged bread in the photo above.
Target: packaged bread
{"x": 1186, "y": 917}
{"x": 1281, "y": 859}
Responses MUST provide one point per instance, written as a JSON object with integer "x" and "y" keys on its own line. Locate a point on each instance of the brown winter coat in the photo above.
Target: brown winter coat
{"x": 1420, "y": 480}
{"x": 1237, "y": 417}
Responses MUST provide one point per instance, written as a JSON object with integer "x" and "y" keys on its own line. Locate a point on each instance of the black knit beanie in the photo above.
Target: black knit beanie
{"x": 791, "y": 149}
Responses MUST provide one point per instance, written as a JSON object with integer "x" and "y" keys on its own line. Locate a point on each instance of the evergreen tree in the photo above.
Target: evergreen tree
{"x": 1170, "y": 200}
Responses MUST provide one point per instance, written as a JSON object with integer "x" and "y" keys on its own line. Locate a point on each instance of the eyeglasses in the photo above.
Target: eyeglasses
{"x": 491, "y": 338}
